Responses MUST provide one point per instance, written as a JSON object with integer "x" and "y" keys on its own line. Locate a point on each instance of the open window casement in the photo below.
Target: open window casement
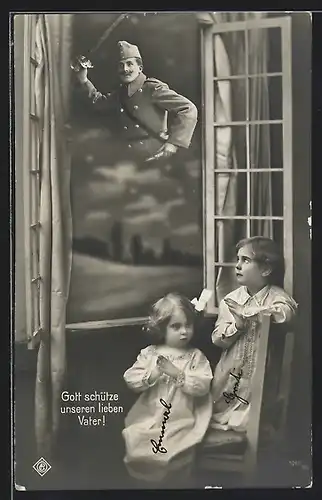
{"x": 247, "y": 143}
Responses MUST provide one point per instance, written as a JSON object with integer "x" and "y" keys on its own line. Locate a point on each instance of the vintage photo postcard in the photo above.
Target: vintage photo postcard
{"x": 162, "y": 334}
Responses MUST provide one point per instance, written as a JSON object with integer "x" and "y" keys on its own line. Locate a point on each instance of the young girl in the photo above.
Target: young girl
{"x": 259, "y": 271}
{"x": 174, "y": 409}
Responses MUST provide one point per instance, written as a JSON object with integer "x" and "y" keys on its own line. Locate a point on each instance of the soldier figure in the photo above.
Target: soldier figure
{"x": 153, "y": 121}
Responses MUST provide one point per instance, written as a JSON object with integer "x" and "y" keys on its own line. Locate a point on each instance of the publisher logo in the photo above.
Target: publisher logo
{"x": 42, "y": 466}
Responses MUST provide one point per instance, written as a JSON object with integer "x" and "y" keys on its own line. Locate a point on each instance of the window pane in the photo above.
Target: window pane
{"x": 227, "y": 235}
{"x": 265, "y": 98}
{"x": 230, "y": 194}
{"x": 266, "y": 146}
{"x": 223, "y": 43}
{"x": 225, "y": 282}
{"x": 278, "y": 233}
{"x": 274, "y": 50}
{"x": 272, "y": 229}
{"x": 264, "y": 50}
{"x": 228, "y": 139}
{"x": 239, "y": 146}
{"x": 230, "y": 100}
{"x": 266, "y": 194}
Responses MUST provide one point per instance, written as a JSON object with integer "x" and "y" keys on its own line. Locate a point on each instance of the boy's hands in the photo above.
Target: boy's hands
{"x": 237, "y": 312}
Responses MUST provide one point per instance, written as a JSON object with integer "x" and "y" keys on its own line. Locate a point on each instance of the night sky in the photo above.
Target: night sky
{"x": 155, "y": 204}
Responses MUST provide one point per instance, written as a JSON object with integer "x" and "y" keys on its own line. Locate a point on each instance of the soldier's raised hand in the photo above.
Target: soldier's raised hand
{"x": 80, "y": 67}
{"x": 81, "y": 74}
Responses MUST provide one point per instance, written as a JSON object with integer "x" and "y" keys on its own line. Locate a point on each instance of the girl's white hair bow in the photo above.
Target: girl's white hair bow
{"x": 200, "y": 304}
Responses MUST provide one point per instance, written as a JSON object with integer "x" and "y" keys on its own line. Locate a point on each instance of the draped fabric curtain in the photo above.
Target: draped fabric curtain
{"x": 230, "y": 105}
{"x": 260, "y": 141}
{"x": 51, "y": 89}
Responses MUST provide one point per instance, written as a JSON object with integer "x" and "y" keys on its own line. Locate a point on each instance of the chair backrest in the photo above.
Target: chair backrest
{"x": 271, "y": 381}
{"x": 285, "y": 381}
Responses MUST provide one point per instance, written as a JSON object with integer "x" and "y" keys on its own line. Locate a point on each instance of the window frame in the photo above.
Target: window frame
{"x": 208, "y": 158}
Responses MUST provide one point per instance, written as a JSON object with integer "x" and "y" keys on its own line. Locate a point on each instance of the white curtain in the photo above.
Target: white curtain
{"x": 51, "y": 88}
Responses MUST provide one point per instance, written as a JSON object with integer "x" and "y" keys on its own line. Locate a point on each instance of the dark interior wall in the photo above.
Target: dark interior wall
{"x": 105, "y": 198}
{"x": 301, "y": 393}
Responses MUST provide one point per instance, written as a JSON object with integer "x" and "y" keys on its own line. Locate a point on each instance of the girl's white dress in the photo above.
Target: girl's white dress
{"x": 189, "y": 417}
{"x": 240, "y": 351}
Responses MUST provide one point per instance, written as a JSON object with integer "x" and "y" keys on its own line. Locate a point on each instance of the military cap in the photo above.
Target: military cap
{"x": 128, "y": 50}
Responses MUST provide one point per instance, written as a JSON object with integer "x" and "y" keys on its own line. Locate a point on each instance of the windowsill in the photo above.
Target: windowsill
{"x": 87, "y": 326}
{"x": 115, "y": 323}
{"x": 104, "y": 324}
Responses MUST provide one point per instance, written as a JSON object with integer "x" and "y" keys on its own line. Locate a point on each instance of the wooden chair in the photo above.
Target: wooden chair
{"x": 234, "y": 452}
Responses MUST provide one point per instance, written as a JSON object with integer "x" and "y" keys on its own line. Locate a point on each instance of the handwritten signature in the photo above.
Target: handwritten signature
{"x": 230, "y": 396}
{"x": 158, "y": 446}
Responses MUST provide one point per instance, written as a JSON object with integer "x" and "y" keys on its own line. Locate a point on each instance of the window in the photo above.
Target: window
{"x": 247, "y": 143}
{"x": 31, "y": 180}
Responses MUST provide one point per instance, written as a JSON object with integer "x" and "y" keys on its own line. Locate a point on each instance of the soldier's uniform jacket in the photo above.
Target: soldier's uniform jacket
{"x": 148, "y": 113}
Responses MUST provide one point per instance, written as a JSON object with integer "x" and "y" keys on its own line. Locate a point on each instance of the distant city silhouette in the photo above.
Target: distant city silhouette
{"x": 138, "y": 254}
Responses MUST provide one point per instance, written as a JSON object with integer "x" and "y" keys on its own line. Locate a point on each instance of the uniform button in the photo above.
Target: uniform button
{"x": 125, "y": 128}
{"x": 141, "y": 142}
{"x": 137, "y": 126}
{"x": 136, "y": 107}
{"x": 129, "y": 146}
{"x": 121, "y": 110}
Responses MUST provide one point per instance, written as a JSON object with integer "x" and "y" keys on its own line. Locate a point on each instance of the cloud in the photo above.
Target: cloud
{"x": 103, "y": 190}
{"x": 178, "y": 202}
{"x": 193, "y": 168}
{"x": 158, "y": 214}
{"x": 121, "y": 173}
{"x": 90, "y": 134}
{"x": 127, "y": 172}
{"x": 148, "y": 177}
{"x": 145, "y": 202}
{"x": 186, "y": 230}
{"x": 152, "y": 210}
{"x": 97, "y": 216}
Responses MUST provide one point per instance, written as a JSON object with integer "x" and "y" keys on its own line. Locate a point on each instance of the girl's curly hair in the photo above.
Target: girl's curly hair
{"x": 161, "y": 313}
